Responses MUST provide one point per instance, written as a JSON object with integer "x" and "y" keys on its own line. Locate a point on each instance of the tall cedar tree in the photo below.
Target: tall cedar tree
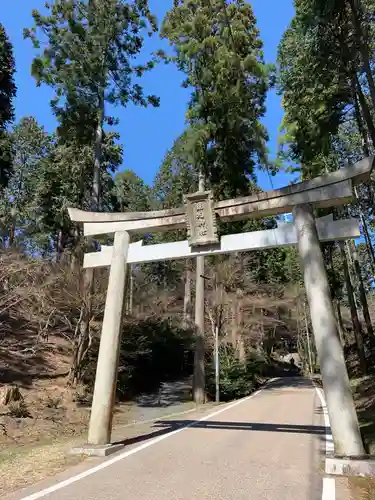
{"x": 88, "y": 60}
{"x": 218, "y": 48}
{"x": 7, "y": 95}
{"x": 327, "y": 85}
{"x": 324, "y": 78}
{"x": 19, "y": 208}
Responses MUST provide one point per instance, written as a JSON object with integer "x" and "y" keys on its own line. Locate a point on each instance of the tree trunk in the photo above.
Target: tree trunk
{"x": 237, "y": 334}
{"x": 336, "y": 302}
{"x": 365, "y": 111}
{"x": 360, "y": 125}
{"x": 199, "y": 354}
{"x": 242, "y": 347}
{"x": 12, "y": 234}
{"x": 262, "y": 333}
{"x": 60, "y": 245}
{"x": 237, "y": 339}
{"x": 131, "y": 290}
{"x": 362, "y": 40}
{"x": 128, "y": 307}
{"x": 98, "y": 156}
{"x": 308, "y": 339}
{"x": 217, "y": 366}
{"x": 363, "y": 298}
{"x": 340, "y": 322}
{"x": 241, "y": 350}
{"x": 76, "y": 257}
{"x": 82, "y": 336}
{"x": 370, "y": 248}
{"x": 83, "y": 339}
{"x": 234, "y": 329}
{"x": 187, "y": 295}
{"x": 353, "y": 310}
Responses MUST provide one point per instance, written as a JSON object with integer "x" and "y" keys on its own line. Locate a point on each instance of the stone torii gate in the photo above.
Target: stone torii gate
{"x": 198, "y": 216}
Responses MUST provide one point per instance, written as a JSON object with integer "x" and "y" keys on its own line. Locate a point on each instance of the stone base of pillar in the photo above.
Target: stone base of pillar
{"x": 354, "y": 466}
{"x": 99, "y": 450}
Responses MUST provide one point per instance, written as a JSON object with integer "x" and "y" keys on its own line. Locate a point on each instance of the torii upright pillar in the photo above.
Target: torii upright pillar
{"x": 343, "y": 418}
{"x": 100, "y": 426}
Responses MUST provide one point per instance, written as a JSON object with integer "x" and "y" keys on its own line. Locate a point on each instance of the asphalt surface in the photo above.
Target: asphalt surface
{"x": 266, "y": 447}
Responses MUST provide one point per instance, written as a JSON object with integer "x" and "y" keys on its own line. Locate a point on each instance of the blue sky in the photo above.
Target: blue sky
{"x": 146, "y": 134}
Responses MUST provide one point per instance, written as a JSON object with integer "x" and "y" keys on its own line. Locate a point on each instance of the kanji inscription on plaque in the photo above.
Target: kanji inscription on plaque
{"x": 201, "y": 219}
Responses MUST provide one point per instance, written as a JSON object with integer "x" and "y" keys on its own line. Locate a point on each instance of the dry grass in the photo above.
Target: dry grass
{"x": 46, "y": 398}
{"x": 362, "y": 488}
{"x": 364, "y": 396}
{"x": 36, "y": 447}
{"x": 32, "y": 464}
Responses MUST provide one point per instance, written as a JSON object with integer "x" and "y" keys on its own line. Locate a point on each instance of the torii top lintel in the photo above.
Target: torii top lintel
{"x": 335, "y": 188}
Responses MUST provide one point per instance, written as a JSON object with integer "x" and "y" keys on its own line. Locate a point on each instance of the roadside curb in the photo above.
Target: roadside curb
{"x": 355, "y": 467}
{"x": 329, "y": 482}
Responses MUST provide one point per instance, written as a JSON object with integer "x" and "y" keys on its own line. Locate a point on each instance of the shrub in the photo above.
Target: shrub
{"x": 53, "y": 402}
{"x": 19, "y": 410}
{"x": 237, "y": 378}
{"x": 82, "y": 396}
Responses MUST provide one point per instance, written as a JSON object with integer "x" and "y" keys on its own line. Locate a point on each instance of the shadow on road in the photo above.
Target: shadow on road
{"x": 166, "y": 426}
{"x": 242, "y": 426}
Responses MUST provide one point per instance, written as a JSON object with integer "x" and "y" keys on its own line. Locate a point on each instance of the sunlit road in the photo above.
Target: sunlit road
{"x": 264, "y": 447}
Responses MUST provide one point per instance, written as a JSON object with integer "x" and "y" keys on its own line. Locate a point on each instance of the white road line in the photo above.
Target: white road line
{"x": 126, "y": 454}
{"x": 329, "y": 488}
{"x": 329, "y": 483}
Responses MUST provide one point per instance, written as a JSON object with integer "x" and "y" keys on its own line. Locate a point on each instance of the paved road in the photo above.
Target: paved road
{"x": 264, "y": 448}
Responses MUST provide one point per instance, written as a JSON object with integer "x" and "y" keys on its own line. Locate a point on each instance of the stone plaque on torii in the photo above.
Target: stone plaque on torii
{"x": 200, "y": 219}
{"x": 198, "y": 216}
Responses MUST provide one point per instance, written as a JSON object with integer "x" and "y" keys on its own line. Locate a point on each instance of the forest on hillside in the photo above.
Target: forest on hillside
{"x": 88, "y": 53}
